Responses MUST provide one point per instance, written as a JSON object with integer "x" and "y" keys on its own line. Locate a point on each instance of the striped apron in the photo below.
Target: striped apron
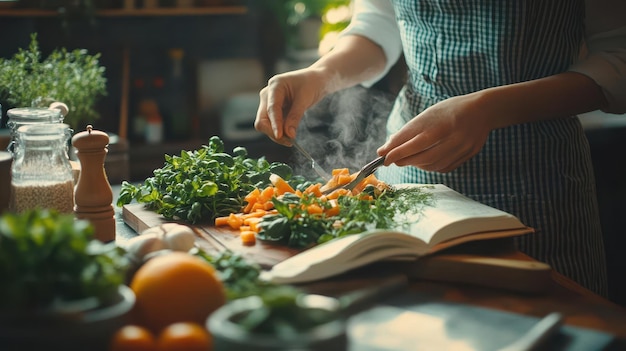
{"x": 540, "y": 172}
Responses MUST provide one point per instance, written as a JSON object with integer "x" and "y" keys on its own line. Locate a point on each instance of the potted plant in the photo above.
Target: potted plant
{"x": 60, "y": 286}
{"x": 75, "y": 78}
{"x": 302, "y": 21}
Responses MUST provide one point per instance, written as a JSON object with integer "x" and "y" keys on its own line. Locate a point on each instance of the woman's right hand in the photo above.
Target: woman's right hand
{"x": 285, "y": 99}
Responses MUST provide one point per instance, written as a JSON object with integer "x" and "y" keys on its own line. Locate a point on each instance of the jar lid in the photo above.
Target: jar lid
{"x": 34, "y": 115}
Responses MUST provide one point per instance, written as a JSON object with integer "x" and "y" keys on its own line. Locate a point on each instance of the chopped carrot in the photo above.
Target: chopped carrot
{"x": 267, "y": 194}
{"x": 253, "y": 195}
{"x": 339, "y": 192}
{"x": 250, "y": 220}
{"x": 248, "y": 237}
{"x": 334, "y": 208}
{"x": 280, "y": 184}
{"x": 314, "y": 189}
{"x": 344, "y": 179}
{"x": 255, "y": 214}
{"x": 221, "y": 221}
{"x": 253, "y": 223}
{"x": 314, "y": 209}
{"x": 333, "y": 211}
{"x": 248, "y": 208}
{"x": 338, "y": 171}
{"x": 369, "y": 180}
{"x": 262, "y": 206}
{"x": 234, "y": 221}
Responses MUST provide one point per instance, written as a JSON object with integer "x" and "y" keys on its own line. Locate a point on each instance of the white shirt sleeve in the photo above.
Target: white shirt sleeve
{"x": 605, "y": 58}
{"x": 375, "y": 20}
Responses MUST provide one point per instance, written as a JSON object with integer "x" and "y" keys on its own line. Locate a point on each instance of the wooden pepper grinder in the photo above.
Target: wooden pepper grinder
{"x": 93, "y": 196}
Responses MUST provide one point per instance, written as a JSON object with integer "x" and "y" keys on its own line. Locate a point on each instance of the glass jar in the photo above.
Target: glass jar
{"x": 21, "y": 116}
{"x": 41, "y": 174}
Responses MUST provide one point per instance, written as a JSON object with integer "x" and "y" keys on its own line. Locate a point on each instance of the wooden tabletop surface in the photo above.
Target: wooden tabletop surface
{"x": 580, "y": 307}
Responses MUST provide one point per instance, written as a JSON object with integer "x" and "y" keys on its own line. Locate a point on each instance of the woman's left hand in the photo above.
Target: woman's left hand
{"x": 442, "y": 137}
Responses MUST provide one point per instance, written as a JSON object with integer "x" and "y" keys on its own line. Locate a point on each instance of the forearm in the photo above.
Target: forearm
{"x": 353, "y": 60}
{"x": 557, "y": 96}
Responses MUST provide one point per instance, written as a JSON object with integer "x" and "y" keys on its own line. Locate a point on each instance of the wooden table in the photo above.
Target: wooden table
{"x": 580, "y": 307}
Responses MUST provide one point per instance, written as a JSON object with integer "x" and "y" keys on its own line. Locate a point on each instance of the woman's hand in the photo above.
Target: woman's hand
{"x": 443, "y": 136}
{"x": 287, "y": 96}
{"x": 285, "y": 99}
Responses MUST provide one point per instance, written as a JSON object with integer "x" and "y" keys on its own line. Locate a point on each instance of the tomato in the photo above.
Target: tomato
{"x": 184, "y": 336}
{"x": 133, "y": 338}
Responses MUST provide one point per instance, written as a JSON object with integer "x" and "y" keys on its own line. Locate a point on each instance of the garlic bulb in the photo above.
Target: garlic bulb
{"x": 167, "y": 236}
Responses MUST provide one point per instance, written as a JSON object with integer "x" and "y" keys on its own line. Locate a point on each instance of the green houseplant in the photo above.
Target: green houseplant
{"x": 58, "y": 282}
{"x": 294, "y": 15}
{"x": 75, "y": 78}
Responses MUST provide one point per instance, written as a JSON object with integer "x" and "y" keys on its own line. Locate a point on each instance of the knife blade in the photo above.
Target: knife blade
{"x": 314, "y": 165}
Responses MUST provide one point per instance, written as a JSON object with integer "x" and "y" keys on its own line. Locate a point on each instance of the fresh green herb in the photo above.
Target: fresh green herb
{"x": 295, "y": 227}
{"x": 281, "y": 314}
{"x": 47, "y": 257}
{"x": 72, "y": 77}
{"x": 203, "y": 184}
{"x": 240, "y": 277}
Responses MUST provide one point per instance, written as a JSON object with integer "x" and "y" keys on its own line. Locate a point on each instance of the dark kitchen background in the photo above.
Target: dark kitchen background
{"x": 201, "y": 64}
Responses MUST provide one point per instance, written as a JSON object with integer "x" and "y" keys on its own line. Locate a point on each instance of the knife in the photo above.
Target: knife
{"x": 367, "y": 170}
{"x": 314, "y": 165}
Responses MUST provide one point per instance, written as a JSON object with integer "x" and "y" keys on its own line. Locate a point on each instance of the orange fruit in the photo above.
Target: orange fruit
{"x": 175, "y": 287}
{"x": 133, "y": 338}
{"x": 184, "y": 336}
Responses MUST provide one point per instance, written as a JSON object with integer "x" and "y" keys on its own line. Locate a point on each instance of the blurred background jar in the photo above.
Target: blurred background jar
{"x": 41, "y": 174}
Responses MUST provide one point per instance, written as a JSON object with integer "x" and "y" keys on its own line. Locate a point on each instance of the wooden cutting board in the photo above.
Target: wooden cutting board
{"x": 487, "y": 263}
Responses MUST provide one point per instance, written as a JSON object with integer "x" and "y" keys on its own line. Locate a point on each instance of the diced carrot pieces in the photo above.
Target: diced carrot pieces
{"x": 338, "y": 171}
{"x": 337, "y": 193}
{"x": 344, "y": 179}
{"x": 234, "y": 221}
{"x": 244, "y": 228}
{"x": 250, "y": 220}
{"x": 314, "y": 189}
{"x": 314, "y": 209}
{"x": 262, "y": 206}
{"x": 221, "y": 221}
{"x": 248, "y": 237}
{"x": 254, "y": 225}
{"x": 253, "y": 195}
{"x": 329, "y": 185}
{"x": 255, "y": 214}
{"x": 281, "y": 185}
{"x": 256, "y": 207}
{"x": 333, "y": 211}
{"x": 248, "y": 208}
{"x": 334, "y": 208}
{"x": 267, "y": 194}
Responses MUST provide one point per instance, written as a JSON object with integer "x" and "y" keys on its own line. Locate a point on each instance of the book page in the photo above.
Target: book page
{"x": 454, "y": 215}
{"x": 450, "y": 216}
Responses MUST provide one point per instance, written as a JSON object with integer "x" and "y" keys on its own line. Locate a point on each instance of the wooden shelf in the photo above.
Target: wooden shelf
{"x": 141, "y": 12}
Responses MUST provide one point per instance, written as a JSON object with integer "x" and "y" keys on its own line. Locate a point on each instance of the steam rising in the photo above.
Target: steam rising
{"x": 344, "y": 130}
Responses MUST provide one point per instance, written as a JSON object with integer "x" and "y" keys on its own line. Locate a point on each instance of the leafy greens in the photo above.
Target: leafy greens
{"x": 203, "y": 184}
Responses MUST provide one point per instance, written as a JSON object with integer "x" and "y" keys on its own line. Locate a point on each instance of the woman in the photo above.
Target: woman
{"x": 489, "y": 107}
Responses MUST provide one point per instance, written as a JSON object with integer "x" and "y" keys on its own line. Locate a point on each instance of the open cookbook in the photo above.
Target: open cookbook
{"x": 452, "y": 219}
